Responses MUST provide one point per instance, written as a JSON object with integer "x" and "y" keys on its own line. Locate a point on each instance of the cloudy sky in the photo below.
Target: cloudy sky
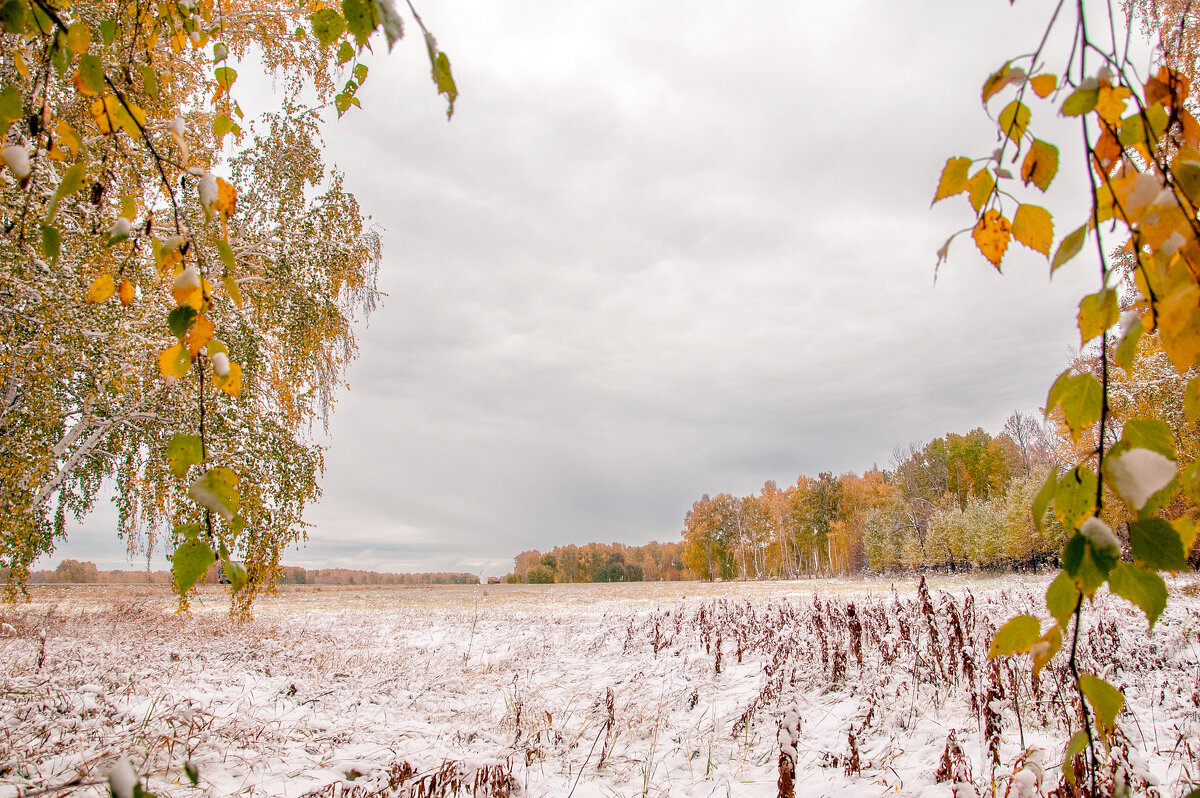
{"x": 665, "y": 249}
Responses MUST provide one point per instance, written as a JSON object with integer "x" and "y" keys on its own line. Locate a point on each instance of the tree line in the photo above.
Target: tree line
{"x": 958, "y": 501}
{"x": 602, "y": 562}
{"x": 77, "y": 572}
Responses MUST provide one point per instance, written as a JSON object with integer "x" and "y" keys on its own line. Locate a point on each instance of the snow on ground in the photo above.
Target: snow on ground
{"x": 574, "y": 690}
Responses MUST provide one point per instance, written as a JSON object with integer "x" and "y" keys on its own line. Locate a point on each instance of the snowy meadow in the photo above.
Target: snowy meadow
{"x": 655, "y": 689}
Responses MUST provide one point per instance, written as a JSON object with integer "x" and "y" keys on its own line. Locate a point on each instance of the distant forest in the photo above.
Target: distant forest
{"x": 76, "y": 572}
{"x": 602, "y": 562}
{"x": 958, "y": 502}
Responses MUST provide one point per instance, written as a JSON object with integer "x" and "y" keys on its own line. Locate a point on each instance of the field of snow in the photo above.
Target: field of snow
{"x": 575, "y": 690}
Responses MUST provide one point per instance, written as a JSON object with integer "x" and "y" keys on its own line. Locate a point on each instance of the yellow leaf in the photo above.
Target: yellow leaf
{"x": 100, "y": 289}
{"x": 1033, "y": 226}
{"x": 979, "y": 188}
{"x": 66, "y": 142}
{"x": 991, "y": 234}
{"x": 174, "y": 362}
{"x": 1043, "y": 85}
{"x": 110, "y": 115}
{"x": 125, "y": 290}
{"x": 1111, "y": 105}
{"x": 1097, "y": 312}
{"x": 1179, "y": 326}
{"x": 128, "y": 207}
{"x": 79, "y": 38}
{"x": 232, "y": 289}
{"x": 1040, "y": 164}
{"x": 199, "y": 334}
{"x": 954, "y": 178}
{"x": 226, "y": 199}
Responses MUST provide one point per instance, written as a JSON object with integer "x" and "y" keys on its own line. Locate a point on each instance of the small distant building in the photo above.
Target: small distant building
{"x": 494, "y": 580}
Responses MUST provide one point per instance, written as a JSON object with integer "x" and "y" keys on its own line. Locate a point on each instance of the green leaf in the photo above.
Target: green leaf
{"x": 1189, "y": 480}
{"x": 1062, "y": 597}
{"x": 189, "y": 563}
{"x": 1081, "y": 399}
{"x": 360, "y": 19}
{"x": 1159, "y": 120}
{"x": 328, "y": 25}
{"x": 345, "y": 52}
{"x": 1132, "y": 132}
{"x": 234, "y": 571}
{"x": 1014, "y": 119}
{"x": 150, "y": 81}
{"x": 1075, "y": 497}
{"x": 193, "y": 772}
{"x": 1088, "y": 559}
{"x": 11, "y": 107}
{"x": 1149, "y": 433}
{"x": 1016, "y": 636}
{"x": 1127, "y": 349}
{"x": 1068, "y": 248}
{"x": 1046, "y": 495}
{"x": 1105, "y": 699}
{"x": 1097, "y": 312}
{"x": 217, "y": 490}
{"x": 108, "y": 31}
{"x": 91, "y": 74}
{"x": 180, "y": 319}
{"x": 12, "y": 17}
{"x": 226, "y": 253}
{"x": 51, "y": 242}
{"x": 225, "y": 76}
{"x": 1156, "y": 543}
{"x": 222, "y": 124}
{"x": 360, "y": 72}
{"x": 183, "y": 452}
{"x": 71, "y": 182}
{"x": 1080, "y": 102}
{"x": 1076, "y": 746}
{"x": 187, "y": 531}
{"x": 442, "y": 77}
{"x": 393, "y": 23}
{"x": 1141, "y": 587}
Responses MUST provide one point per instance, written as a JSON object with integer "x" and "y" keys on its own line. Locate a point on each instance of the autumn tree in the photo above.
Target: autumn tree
{"x": 172, "y": 318}
{"x": 1138, "y": 151}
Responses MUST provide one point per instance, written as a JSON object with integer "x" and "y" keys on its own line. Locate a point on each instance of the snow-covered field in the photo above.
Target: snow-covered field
{"x": 584, "y": 690}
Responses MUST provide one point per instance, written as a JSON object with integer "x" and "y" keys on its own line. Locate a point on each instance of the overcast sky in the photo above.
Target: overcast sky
{"x": 666, "y": 249}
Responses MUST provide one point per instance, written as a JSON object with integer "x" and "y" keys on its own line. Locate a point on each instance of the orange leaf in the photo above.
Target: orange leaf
{"x": 231, "y": 383}
{"x": 992, "y": 233}
{"x": 1168, "y": 87}
{"x": 199, "y": 334}
{"x": 1034, "y": 227}
{"x": 1043, "y": 85}
{"x": 1108, "y": 151}
{"x": 125, "y": 291}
